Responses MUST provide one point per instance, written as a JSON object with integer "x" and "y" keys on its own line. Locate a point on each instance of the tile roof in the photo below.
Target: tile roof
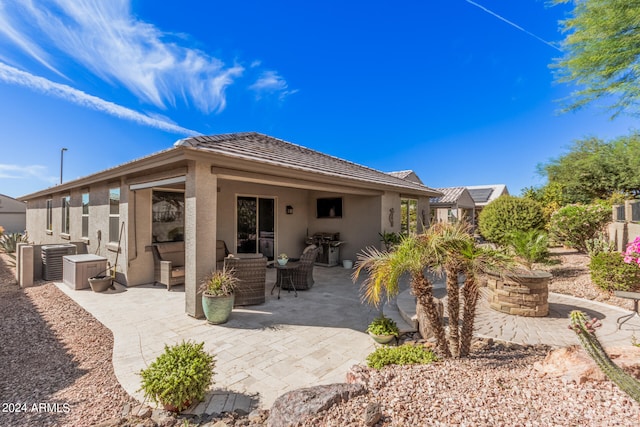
{"x": 450, "y": 195}
{"x": 262, "y": 148}
{"x": 409, "y": 175}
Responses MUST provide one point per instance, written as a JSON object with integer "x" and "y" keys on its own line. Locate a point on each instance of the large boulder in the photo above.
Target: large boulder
{"x": 296, "y": 405}
{"x": 574, "y": 364}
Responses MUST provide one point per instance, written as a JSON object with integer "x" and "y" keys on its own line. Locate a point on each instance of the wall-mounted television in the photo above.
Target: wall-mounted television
{"x": 329, "y": 207}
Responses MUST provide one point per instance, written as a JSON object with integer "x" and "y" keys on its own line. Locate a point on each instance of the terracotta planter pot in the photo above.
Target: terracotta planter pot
{"x": 217, "y": 309}
{"x": 171, "y": 408}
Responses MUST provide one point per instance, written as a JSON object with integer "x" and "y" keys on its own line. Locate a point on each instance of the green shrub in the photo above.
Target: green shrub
{"x": 406, "y": 354}
{"x": 383, "y": 326}
{"x": 508, "y": 214}
{"x": 574, "y": 225}
{"x": 529, "y": 246}
{"x": 180, "y": 375}
{"x": 610, "y": 273}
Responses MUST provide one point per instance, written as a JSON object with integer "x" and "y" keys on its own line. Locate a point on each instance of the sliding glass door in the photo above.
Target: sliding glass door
{"x": 255, "y": 225}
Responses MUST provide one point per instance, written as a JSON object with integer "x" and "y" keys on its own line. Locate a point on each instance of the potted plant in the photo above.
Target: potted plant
{"x": 217, "y": 295}
{"x": 283, "y": 259}
{"x": 383, "y": 329}
{"x": 179, "y": 376}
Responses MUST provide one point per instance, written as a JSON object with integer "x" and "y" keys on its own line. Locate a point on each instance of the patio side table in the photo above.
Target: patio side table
{"x": 284, "y": 273}
{"x": 635, "y": 296}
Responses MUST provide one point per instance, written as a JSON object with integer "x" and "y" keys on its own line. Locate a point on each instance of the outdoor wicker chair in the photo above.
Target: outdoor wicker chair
{"x": 302, "y": 273}
{"x": 251, "y": 270}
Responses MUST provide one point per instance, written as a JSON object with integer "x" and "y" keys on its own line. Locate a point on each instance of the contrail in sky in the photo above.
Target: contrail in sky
{"x": 514, "y": 25}
{"x": 11, "y": 75}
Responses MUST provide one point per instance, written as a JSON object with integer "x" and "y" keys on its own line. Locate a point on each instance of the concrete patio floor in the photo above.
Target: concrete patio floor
{"x": 262, "y": 352}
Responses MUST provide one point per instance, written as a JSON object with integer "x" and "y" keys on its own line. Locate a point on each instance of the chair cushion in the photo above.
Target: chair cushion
{"x": 177, "y": 272}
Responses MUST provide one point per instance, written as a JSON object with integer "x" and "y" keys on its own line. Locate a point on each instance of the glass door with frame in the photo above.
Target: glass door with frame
{"x": 255, "y": 226}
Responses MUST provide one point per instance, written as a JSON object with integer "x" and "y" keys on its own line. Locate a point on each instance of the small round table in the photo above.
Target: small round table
{"x": 284, "y": 273}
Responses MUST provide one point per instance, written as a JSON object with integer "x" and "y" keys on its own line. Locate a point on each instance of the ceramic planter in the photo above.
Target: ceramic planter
{"x": 100, "y": 283}
{"x": 382, "y": 339}
{"x": 217, "y": 309}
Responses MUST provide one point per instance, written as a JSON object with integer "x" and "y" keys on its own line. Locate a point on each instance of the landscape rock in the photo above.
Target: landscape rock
{"x": 372, "y": 414}
{"x": 573, "y": 364}
{"x": 358, "y": 374}
{"x": 294, "y": 406}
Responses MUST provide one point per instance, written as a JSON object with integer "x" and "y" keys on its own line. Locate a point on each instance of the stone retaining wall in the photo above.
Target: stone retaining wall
{"x": 520, "y": 294}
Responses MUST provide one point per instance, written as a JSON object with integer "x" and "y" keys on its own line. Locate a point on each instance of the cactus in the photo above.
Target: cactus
{"x": 585, "y": 329}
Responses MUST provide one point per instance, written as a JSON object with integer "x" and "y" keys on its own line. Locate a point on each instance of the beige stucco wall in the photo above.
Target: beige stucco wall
{"x": 358, "y": 227}
{"x": 97, "y": 241}
{"x": 290, "y": 229}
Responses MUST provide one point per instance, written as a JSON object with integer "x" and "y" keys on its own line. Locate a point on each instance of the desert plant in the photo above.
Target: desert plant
{"x": 443, "y": 247}
{"x": 610, "y": 273}
{"x": 585, "y": 329}
{"x": 598, "y": 245}
{"x": 220, "y": 282}
{"x": 574, "y": 225}
{"x": 383, "y": 326}
{"x": 180, "y": 375}
{"x": 507, "y": 214}
{"x": 406, "y": 354}
{"x": 529, "y": 246}
{"x": 9, "y": 242}
{"x": 385, "y": 269}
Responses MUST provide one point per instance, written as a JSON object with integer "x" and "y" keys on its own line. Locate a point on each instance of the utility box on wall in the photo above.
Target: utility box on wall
{"x": 79, "y": 268}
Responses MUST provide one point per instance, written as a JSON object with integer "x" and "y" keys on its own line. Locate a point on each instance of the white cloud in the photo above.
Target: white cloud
{"x": 26, "y": 172}
{"x": 107, "y": 39}
{"x": 270, "y": 82}
{"x": 12, "y": 75}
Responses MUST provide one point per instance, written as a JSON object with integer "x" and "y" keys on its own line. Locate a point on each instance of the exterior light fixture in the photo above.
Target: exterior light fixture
{"x": 289, "y": 209}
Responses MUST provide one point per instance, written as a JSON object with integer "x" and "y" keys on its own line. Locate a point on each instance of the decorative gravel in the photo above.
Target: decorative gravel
{"x": 496, "y": 386}
{"x": 55, "y": 359}
{"x": 57, "y": 356}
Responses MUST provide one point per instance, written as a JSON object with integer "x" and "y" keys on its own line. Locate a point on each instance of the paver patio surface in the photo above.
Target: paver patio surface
{"x": 269, "y": 349}
{"x": 262, "y": 352}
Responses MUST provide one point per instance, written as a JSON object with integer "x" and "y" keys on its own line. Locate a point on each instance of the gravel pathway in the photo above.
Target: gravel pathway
{"x": 53, "y": 352}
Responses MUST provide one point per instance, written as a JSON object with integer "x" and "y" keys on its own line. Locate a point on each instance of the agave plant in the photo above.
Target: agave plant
{"x": 9, "y": 242}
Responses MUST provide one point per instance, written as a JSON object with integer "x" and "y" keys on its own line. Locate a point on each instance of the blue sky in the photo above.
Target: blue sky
{"x": 459, "y": 91}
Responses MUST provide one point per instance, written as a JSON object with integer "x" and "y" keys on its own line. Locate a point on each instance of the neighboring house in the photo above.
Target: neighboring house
{"x": 13, "y": 215}
{"x": 255, "y": 192}
{"x": 455, "y": 204}
{"x": 409, "y": 218}
{"x": 485, "y": 194}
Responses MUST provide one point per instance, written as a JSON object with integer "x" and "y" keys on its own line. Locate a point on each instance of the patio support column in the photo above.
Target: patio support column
{"x": 201, "y": 200}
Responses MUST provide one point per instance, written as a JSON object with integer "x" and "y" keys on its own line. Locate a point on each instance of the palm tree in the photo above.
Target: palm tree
{"x": 413, "y": 254}
{"x": 447, "y": 239}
